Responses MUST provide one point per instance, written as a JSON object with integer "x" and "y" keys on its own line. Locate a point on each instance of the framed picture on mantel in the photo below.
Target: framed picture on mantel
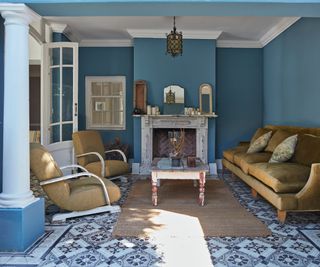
{"x": 140, "y": 96}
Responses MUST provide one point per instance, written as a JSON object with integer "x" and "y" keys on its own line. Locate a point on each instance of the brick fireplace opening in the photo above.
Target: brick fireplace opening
{"x": 161, "y": 144}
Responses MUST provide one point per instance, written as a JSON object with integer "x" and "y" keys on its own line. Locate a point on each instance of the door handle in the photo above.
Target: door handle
{"x": 75, "y": 109}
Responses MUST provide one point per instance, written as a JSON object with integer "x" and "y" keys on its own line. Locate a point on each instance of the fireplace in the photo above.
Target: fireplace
{"x": 162, "y": 147}
{"x": 155, "y": 127}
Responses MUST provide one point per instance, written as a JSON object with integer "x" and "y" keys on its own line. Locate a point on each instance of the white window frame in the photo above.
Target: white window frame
{"x": 89, "y": 81}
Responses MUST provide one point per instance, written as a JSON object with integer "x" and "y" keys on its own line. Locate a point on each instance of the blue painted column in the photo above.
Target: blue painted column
{"x": 21, "y": 214}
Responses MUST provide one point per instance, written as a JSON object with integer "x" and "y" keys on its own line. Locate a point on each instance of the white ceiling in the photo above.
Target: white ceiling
{"x": 244, "y": 30}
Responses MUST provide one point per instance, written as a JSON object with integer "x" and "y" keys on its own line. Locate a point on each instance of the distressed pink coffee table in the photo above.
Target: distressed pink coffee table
{"x": 161, "y": 169}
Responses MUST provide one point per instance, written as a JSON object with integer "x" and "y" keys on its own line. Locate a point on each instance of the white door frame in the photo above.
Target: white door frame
{"x": 62, "y": 146}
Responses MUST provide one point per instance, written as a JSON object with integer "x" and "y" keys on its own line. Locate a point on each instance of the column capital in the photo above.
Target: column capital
{"x": 18, "y": 14}
{"x": 16, "y": 18}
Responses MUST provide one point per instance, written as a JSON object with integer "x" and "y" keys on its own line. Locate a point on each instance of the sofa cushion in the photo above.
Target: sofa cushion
{"x": 260, "y": 144}
{"x": 284, "y": 151}
{"x": 281, "y": 177}
{"x": 307, "y": 150}
{"x": 276, "y": 139}
{"x": 229, "y": 154}
{"x": 243, "y": 160}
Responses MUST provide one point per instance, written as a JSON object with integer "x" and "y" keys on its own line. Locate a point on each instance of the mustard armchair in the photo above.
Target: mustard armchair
{"x": 81, "y": 193}
{"x": 90, "y": 154}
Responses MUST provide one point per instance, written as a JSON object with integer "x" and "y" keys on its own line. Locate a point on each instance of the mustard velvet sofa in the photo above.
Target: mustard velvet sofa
{"x": 290, "y": 186}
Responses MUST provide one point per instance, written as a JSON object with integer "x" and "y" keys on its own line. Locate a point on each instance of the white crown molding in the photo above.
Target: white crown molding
{"x": 271, "y": 34}
{"x": 163, "y": 34}
{"x": 238, "y": 44}
{"x": 106, "y": 43}
{"x": 275, "y": 31}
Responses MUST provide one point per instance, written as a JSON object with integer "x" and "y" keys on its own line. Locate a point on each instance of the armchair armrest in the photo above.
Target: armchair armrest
{"x": 119, "y": 151}
{"x": 309, "y": 196}
{"x": 99, "y": 157}
{"x": 74, "y": 166}
{"x": 77, "y": 175}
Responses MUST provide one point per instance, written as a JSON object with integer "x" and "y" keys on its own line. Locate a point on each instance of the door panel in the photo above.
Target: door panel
{"x": 59, "y": 99}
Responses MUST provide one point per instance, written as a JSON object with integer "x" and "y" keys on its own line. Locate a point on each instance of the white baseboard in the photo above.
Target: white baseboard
{"x": 213, "y": 169}
{"x": 135, "y": 168}
{"x": 219, "y": 164}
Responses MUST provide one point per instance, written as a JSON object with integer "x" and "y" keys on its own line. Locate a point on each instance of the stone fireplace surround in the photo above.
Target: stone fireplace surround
{"x": 149, "y": 123}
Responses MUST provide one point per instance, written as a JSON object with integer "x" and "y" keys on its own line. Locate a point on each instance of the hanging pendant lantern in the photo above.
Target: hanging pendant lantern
{"x": 174, "y": 41}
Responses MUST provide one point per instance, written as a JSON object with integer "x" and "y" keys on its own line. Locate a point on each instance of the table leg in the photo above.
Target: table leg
{"x": 154, "y": 189}
{"x": 202, "y": 181}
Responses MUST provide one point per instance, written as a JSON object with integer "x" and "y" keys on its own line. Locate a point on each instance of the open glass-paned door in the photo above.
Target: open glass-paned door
{"x": 59, "y": 99}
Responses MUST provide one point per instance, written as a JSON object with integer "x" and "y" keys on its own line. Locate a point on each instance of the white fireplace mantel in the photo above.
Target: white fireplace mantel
{"x": 150, "y": 122}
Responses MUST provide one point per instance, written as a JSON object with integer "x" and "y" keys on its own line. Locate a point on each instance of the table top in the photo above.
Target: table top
{"x": 164, "y": 164}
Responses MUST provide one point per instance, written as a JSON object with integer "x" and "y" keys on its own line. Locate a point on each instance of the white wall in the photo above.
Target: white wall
{"x": 34, "y": 51}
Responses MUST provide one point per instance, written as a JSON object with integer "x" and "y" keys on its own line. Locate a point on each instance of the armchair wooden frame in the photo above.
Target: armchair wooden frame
{"x": 63, "y": 216}
{"x": 102, "y": 160}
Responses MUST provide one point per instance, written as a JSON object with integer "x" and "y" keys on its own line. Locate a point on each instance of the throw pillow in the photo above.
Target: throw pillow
{"x": 284, "y": 151}
{"x": 259, "y": 144}
{"x": 259, "y": 132}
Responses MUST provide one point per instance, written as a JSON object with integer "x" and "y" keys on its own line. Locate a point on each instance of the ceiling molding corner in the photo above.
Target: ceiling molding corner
{"x": 71, "y": 35}
{"x": 57, "y": 27}
{"x": 140, "y": 33}
{"x": 66, "y": 30}
{"x": 276, "y": 30}
{"x": 238, "y": 44}
{"x": 106, "y": 43}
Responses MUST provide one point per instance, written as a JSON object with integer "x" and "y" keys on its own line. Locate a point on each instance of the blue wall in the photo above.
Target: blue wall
{"x": 194, "y": 67}
{"x": 59, "y": 37}
{"x": 1, "y": 94}
{"x": 292, "y": 75}
{"x": 106, "y": 61}
{"x": 239, "y": 95}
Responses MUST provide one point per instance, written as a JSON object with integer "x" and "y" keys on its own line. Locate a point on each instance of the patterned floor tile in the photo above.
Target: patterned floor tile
{"x": 116, "y": 248}
{"x": 137, "y": 258}
{"x": 313, "y": 236}
{"x": 301, "y": 248}
{"x": 256, "y": 248}
{"x": 69, "y": 248}
{"x": 289, "y": 259}
{"x": 238, "y": 259}
{"x": 217, "y": 249}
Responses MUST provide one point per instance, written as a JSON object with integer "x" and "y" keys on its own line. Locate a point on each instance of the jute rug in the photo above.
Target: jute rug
{"x": 178, "y": 213}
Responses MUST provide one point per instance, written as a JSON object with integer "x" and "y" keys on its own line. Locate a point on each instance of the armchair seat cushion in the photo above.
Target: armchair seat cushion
{"x": 281, "y": 177}
{"x": 229, "y": 154}
{"x": 87, "y": 193}
{"x": 243, "y": 159}
{"x": 113, "y": 168}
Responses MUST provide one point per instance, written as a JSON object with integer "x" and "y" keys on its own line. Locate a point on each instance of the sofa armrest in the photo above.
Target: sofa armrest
{"x": 309, "y": 196}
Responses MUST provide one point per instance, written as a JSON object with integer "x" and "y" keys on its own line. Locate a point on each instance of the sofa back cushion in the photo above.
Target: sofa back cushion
{"x": 295, "y": 129}
{"x": 259, "y": 132}
{"x": 278, "y": 137}
{"x": 307, "y": 150}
